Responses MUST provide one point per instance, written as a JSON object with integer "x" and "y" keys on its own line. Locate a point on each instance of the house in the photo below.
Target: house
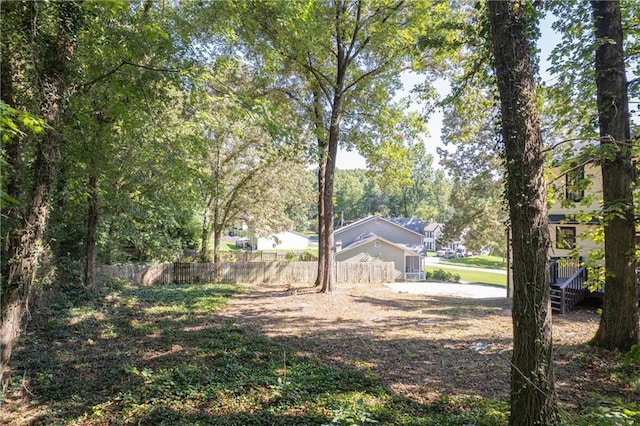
{"x": 569, "y": 222}
{"x": 286, "y": 240}
{"x": 571, "y": 229}
{"x": 397, "y": 240}
{"x": 432, "y": 233}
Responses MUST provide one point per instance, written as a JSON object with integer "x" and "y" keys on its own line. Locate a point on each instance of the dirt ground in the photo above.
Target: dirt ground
{"x": 421, "y": 346}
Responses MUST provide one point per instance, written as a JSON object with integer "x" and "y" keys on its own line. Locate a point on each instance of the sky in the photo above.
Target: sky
{"x": 352, "y": 160}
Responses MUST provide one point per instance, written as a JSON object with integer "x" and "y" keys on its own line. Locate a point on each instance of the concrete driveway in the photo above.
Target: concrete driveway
{"x": 468, "y": 291}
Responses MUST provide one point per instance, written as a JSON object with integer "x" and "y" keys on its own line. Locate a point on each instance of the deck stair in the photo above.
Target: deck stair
{"x": 566, "y": 293}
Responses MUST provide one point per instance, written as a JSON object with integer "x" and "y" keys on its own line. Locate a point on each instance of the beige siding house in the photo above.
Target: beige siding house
{"x": 572, "y": 222}
{"x": 569, "y": 227}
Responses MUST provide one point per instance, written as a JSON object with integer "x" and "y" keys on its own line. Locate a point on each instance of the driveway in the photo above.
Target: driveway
{"x": 468, "y": 291}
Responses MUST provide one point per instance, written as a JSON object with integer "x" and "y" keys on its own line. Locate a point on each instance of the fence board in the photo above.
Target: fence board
{"x": 249, "y": 272}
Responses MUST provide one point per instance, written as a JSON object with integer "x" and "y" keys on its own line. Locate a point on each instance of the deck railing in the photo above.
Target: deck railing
{"x": 566, "y": 295}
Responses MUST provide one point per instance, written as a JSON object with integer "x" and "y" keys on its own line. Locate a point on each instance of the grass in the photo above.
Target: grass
{"x": 471, "y": 276}
{"x": 485, "y": 262}
{"x": 161, "y": 356}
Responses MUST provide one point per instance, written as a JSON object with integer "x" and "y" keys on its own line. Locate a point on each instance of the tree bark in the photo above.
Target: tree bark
{"x": 206, "y": 227}
{"x": 619, "y": 325}
{"x": 26, "y": 244}
{"x": 533, "y": 396}
{"x": 322, "y": 230}
{"x": 92, "y": 233}
{"x": 217, "y": 233}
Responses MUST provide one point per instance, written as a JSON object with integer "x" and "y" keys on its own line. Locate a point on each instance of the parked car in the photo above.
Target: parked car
{"x": 242, "y": 242}
{"x": 460, "y": 252}
{"x": 447, "y": 253}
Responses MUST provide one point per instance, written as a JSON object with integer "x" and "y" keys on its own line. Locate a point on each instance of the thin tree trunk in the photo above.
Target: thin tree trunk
{"x": 619, "y": 327}
{"x": 206, "y": 227}
{"x": 217, "y": 259}
{"x": 533, "y": 397}
{"x": 90, "y": 281}
{"x": 217, "y": 232}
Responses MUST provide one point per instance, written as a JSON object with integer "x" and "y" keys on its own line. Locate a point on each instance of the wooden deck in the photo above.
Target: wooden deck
{"x": 567, "y": 279}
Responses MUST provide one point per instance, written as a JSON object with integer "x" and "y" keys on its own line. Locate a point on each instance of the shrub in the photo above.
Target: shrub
{"x": 441, "y": 275}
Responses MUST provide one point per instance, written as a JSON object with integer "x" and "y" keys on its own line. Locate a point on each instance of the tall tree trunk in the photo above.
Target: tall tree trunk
{"x": 326, "y": 199}
{"x": 217, "y": 233}
{"x": 322, "y": 231}
{"x": 619, "y": 327}
{"x": 26, "y": 244}
{"x": 206, "y": 230}
{"x": 328, "y": 165}
{"x": 217, "y": 259}
{"x": 533, "y": 397}
{"x": 90, "y": 281}
{"x": 322, "y": 151}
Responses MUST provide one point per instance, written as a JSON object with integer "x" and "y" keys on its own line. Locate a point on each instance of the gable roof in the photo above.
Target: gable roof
{"x": 412, "y": 224}
{"x": 417, "y": 249}
{"x": 432, "y": 226}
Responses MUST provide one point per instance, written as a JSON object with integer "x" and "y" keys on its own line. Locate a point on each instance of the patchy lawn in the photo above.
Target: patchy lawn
{"x": 275, "y": 355}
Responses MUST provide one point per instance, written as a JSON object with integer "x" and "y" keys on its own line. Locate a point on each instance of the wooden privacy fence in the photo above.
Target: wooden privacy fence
{"x": 139, "y": 274}
{"x": 249, "y": 272}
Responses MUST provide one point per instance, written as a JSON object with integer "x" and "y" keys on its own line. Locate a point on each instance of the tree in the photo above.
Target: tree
{"x": 477, "y": 206}
{"x": 408, "y": 177}
{"x": 123, "y": 82}
{"x": 344, "y": 59}
{"x": 350, "y": 195}
{"x": 533, "y": 397}
{"x": 248, "y": 170}
{"x": 619, "y": 325}
{"x": 475, "y": 167}
{"x": 54, "y": 28}
{"x": 590, "y": 94}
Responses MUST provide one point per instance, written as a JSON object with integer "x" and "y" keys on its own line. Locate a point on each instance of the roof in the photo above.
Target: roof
{"x": 570, "y": 220}
{"x": 417, "y": 249}
{"x": 432, "y": 226}
{"x": 412, "y": 224}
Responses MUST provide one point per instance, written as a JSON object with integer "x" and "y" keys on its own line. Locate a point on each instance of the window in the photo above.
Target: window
{"x": 566, "y": 237}
{"x": 376, "y": 244}
{"x": 574, "y": 184}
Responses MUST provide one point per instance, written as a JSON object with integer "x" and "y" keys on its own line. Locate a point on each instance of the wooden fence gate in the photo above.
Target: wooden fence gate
{"x": 182, "y": 273}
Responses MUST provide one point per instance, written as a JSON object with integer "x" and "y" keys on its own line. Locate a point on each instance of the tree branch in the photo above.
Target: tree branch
{"x": 90, "y": 83}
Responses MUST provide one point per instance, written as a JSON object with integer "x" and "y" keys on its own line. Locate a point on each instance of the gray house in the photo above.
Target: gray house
{"x": 397, "y": 240}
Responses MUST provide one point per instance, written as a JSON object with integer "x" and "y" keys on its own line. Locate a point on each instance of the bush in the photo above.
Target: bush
{"x": 441, "y": 275}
